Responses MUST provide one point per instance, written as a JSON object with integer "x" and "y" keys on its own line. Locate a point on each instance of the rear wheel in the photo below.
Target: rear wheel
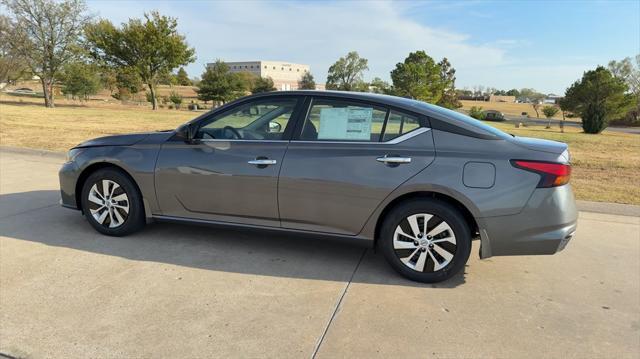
{"x": 111, "y": 203}
{"x": 425, "y": 240}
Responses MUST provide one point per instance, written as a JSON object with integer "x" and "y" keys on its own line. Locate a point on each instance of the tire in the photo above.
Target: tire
{"x": 122, "y": 213}
{"x": 429, "y": 256}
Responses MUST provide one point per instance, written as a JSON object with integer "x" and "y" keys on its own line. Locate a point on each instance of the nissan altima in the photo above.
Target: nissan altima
{"x": 417, "y": 180}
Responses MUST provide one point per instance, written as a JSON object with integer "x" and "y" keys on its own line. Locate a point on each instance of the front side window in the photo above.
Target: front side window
{"x": 256, "y": 120}
{"x": 337, "y": 120}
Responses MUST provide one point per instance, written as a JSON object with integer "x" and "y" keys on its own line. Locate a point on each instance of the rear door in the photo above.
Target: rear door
{"x": 345, "y": 159}
{"x": 229, "y": 173}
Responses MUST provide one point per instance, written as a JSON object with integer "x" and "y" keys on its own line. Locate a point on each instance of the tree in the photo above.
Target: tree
{"x": 477, "y": 113}
{"x": 449, "y": 97}
{"x": 629, "y": 72}
{"x": 597, "y": 98}
{"x": 347, "y": 72}
{"x": 247, "y": 79}
{"x": 151, "y": 47}
{"x": 167, "y": 78}
{"x": 218, "y": 84}
{"x": 549, "y": 111}
{"x": 418, "y": 77}
{"x": 263, "y": 84}
{"x": 183, "y": 78}
{"x": 80, "y": 80}
{"x": 513, "y": 92}
{"x": 44, "y": 34}
{"x": 378, "y": 85}
{"x": 12, "y": 67}
{"x": 176, "y": 98}
{"x": 128, "y": 83}
{"x": 307, "y": 82}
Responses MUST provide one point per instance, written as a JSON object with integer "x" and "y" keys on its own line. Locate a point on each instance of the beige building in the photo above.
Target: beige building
{"x": 285, "y": 75}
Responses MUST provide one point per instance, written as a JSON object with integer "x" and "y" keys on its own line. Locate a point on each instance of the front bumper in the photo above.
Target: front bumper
{"x": 544, "y": 226}
{"x": 68, "y": 176}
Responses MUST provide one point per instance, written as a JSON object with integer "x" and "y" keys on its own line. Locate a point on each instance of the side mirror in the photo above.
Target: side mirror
{"x": 185, "y": 133}
{"x": 274, "y": 127}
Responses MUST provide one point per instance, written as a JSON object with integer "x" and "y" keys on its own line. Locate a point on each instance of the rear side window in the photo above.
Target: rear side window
{"x": 398, "y": 124}
{"x": 337, "y": 120}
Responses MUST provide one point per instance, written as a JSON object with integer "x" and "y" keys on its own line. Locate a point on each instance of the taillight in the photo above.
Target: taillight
{"x": 551, "y": 174}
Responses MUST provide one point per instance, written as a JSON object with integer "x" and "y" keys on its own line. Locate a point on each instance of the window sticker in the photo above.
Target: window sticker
{"x": 345, "y": 123}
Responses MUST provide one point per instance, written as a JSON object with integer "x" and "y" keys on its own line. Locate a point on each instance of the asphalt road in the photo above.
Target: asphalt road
{"x": 197, "y": 292}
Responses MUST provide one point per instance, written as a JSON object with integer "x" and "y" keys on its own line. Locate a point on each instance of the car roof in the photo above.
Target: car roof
{"x": 406, "y": 103}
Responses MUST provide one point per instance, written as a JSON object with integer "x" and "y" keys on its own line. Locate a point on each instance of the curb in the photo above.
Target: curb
{"x": 33, "y": 152}
{"x": 609, "y": 208}
{"x": 584, "y": 206}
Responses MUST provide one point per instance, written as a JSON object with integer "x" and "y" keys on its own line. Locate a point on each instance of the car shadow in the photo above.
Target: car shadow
{"x": 264, "y": 253}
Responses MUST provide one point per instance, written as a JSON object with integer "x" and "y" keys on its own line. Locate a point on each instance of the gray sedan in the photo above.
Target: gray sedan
{"x": 419, "y": 181}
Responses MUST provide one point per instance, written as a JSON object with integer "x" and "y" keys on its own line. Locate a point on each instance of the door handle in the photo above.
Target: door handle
{"x": 262, "y": 162}
{"x": 393, "y": 160}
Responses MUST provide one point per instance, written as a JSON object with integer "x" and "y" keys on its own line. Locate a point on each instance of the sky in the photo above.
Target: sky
{"x": 545, "y": 45}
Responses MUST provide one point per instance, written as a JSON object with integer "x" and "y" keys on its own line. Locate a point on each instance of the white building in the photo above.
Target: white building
{"x": 285, "y": 75}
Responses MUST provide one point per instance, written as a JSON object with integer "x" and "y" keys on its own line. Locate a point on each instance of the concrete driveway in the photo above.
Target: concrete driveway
{"x": 198, "y": 292}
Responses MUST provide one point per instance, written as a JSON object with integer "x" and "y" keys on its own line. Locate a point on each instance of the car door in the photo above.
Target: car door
{"x": 347, "y": 157}
{"x": 229, "y": 171}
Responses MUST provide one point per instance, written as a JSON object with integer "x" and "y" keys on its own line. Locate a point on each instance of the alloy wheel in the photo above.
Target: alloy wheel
{"x": 108, "y": 203}
{"x": 424, "y": 242}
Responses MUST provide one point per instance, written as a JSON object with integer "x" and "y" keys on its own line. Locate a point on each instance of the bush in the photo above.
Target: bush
{"x": 477, "y": 113}
{"x": 176, "y": 98}
{"x": 594, "y": 119}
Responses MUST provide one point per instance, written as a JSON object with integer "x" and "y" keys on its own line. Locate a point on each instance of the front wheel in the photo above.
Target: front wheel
{"x": 425, "y": 240}
{"x": 112, "y": 203}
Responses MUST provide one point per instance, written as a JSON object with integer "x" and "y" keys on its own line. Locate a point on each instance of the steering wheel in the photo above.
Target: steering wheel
{"x": 235, "y": 132}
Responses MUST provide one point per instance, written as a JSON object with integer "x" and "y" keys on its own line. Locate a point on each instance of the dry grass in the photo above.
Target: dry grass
{"x": 59, "y": 129}
{"x": 510, "y": 109}
{"x": 606, "y": 166}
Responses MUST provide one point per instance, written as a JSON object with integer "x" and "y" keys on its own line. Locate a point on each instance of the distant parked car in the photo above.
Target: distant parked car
{"x": 417, "y": 180}
{"x": 25, "y": 90}
{"x": 493, "y": 115}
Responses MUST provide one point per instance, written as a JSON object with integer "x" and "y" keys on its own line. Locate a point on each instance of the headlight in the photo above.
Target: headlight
{"x": 73, "y": 153}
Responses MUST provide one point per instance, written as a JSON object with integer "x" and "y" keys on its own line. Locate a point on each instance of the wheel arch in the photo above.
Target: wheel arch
{"x": 466, "y": 213}
{"x": 87, "y": 171}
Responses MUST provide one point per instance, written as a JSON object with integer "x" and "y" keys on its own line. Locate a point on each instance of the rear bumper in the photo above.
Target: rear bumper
{"x": 544, "y": 226}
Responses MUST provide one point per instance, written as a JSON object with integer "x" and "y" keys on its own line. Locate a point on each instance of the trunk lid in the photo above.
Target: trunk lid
{"x": 538, "y": 144}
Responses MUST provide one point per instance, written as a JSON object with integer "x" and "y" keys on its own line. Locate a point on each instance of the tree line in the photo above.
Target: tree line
{"x": 60, "y": 43}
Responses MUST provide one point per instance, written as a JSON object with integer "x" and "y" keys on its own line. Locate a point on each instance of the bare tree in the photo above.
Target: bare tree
{"x": 45, "y": 35}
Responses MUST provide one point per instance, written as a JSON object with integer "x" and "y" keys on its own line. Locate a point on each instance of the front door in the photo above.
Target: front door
{"x": 229, "y": 172}
{"x": 348, "y": 158}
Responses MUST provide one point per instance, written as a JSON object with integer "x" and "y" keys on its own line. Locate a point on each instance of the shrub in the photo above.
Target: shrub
{"x": 477, "y": 113}
{"x": 594, "y": 119}
{"x": 176, "y": 98}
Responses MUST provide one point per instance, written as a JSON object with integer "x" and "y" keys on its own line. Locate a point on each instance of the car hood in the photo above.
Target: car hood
{"x": 538, "y": 144}
{"x": 116, "y": 140}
